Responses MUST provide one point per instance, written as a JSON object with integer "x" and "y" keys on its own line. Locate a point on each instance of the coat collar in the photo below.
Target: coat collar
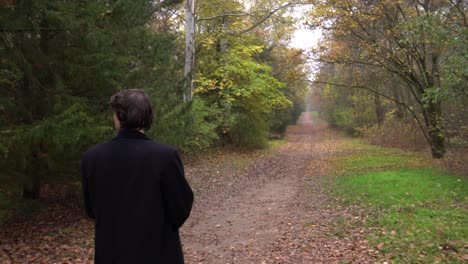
{"x": 131, "y": 134}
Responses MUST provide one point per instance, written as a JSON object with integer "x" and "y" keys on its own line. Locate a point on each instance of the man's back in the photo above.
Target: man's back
{"x": 136, "y": 191}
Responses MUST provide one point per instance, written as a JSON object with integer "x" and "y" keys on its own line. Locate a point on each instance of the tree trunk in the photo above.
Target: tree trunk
{"x": 379, "y": 110}
{"x": 32, "y": 187}
{"x": 436, "y": 130}
{"x": 189, "y": 49}
{"x": 396, "y": 92}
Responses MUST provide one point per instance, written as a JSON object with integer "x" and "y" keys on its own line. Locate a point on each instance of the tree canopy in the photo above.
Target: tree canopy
{"x": 401, "y": 51}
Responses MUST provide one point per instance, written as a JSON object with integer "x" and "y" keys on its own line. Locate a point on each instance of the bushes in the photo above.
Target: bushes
{"x": 250, "y": 131}
{"x": 48, "y": 150}
{"x": 245, "y": 92}
{"x": 344, "y": 118}
{"x": 404, "y": 134}
{"x": 190, "y": 127}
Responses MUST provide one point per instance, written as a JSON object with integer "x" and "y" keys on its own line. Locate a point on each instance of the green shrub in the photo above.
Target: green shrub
{"x": 56, "y": 142}
{"x": 344, "y": 118}
{"x": 190, "y": 127}
{"x": 393, "y": 132}
{"x": 249, "y": 131}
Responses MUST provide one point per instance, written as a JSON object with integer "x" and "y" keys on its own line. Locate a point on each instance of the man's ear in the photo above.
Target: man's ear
{"x": 116, "y": 121}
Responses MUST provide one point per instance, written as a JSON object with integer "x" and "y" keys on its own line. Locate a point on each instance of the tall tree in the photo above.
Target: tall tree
{"x": 60, "y": 62}
{"x": 412, "y": 39}
{"x": 189, "y": 49}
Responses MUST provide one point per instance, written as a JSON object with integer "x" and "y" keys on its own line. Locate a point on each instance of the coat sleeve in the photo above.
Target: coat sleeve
{"x": 85, "y": 185}
{"x": 176, "y": 192}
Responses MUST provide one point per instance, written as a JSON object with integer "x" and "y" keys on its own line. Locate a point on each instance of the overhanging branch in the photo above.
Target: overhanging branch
{"x": 229, "y": 14}
{"x": 234, "y": 13}
{"x": 272, "y": 12}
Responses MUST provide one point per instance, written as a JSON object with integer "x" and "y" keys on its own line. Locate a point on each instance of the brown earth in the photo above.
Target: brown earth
{"x": 251, "y": 207}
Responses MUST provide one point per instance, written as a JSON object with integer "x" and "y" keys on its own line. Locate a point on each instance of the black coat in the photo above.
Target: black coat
{"x": 136, "y": 191}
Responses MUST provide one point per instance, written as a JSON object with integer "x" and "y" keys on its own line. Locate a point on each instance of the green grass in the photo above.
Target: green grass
{"x": 414, "y": 212}
{"x": 370, "y": 157}
{"x": 315, "y": 114}
{"x": 276, "y": 143}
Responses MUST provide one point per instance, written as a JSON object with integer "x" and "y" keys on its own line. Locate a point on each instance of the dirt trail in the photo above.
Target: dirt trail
{"x": 275, "y": 215}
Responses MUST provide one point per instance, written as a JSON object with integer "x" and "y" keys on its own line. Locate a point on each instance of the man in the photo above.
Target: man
{"x": 135, "y": 190}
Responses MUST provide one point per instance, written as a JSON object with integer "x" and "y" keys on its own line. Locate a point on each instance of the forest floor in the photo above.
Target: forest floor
{"x": 279, "y": 205}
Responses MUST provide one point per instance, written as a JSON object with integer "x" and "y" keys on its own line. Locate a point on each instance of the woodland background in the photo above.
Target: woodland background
{"x": 391, "y": 71}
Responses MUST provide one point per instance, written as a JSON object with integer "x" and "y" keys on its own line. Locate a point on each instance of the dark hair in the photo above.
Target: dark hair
{"x": 133, "y": 109}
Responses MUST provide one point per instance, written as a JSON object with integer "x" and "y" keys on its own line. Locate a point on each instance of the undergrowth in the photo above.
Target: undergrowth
{"x": 12, "y": 207}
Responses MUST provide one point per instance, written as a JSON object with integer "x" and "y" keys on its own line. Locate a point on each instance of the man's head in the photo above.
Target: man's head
{"x": 132, "y": 109}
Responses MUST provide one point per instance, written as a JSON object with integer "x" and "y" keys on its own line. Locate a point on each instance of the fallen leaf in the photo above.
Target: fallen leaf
{"x": 380, "y": 246}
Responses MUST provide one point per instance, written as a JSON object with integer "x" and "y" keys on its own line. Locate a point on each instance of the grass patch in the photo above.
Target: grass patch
{"x": 366, "y": 157}
{"x": 414, "y": 213}
{"x": 276, "y": 143}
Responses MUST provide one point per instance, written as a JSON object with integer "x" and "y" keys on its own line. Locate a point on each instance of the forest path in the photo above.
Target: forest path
{"x": 274, "y": 212}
